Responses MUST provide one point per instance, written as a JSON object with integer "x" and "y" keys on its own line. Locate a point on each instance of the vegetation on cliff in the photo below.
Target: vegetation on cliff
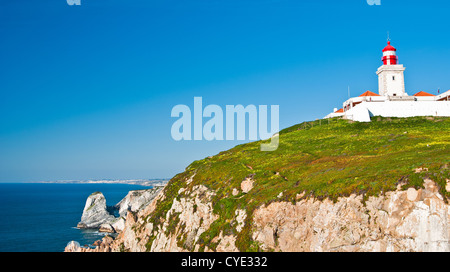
{"x": 321, "y": 159}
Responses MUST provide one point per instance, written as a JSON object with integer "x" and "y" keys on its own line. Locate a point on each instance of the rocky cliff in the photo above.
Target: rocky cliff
{"x": 401, "y": 220}
{"x": 338, "y": 186}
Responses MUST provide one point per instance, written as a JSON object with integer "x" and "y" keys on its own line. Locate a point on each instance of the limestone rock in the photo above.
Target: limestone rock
{"x": 235, "y": 192}
{"x": 105, "y": 227}
{"x": 247, "y": 185}
{"x": 226, "y": 243}
{"x": 412, "y": 194}
{"x": 240, "y": 217}
{"x": 136, "y": 200}
{"x": 194, "y": 213}
{"x": 412, "y": 220}
{"x": 119, "y": 224}
{"x": 97, "y": 215}
{"x": 73, "y": 246}
{"x": 95, "y": 212}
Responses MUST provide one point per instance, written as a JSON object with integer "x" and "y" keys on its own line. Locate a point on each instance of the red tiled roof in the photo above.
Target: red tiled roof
{"x": 423, "y": 94}
{"x": 340, "y": 110}
{"x": 369, "y": 93}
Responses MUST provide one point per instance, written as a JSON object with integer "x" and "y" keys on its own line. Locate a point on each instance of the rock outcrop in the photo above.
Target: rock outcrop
{"x": 103, "y": 245}
{"x": 73, "y": 246}
{"x": 95, "y": 212}
{"x": 136, "y": 200}
{"x": 97, "y": 215}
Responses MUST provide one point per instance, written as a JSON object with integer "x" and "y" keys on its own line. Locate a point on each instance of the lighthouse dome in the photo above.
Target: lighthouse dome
{"x": 389, "y": 47}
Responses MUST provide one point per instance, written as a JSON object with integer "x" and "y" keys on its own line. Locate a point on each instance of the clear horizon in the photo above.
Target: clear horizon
{"x": 83, "y": 180}
{"x": 87, "y": 91}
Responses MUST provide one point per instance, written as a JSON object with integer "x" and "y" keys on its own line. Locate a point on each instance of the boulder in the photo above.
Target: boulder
{"x": 247, "y": 185}
{"x": 105, "y": 227}
{"x": 73, "y": 246}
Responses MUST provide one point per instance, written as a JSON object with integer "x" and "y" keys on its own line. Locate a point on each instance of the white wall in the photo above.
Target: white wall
{"x": 399, "y": 109}
{"x": 334, "y": 114}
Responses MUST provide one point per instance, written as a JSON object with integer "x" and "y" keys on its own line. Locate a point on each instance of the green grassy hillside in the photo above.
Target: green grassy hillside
{"x": 322, "y": 159}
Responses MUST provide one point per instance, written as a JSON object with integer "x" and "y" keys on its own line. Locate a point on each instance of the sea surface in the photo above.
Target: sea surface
{"x": 36, "y": 217}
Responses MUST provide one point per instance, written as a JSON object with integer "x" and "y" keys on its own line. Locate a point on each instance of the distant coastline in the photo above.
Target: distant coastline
{"x": 142, "y": 182}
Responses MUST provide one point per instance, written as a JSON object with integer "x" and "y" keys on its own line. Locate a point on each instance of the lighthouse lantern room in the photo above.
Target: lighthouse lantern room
{"x": 391, "y": 81}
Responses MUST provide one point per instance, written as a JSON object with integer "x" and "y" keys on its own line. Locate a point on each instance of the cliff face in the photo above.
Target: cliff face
{"x": 401, "y": 220}
{"x": 330, "y": 186}
{"x": 412, "y": 220}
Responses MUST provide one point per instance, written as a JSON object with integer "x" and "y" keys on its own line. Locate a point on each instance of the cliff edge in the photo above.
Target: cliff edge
{"x": 337, "y": 186}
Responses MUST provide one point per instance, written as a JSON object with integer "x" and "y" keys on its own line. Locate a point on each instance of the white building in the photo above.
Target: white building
{"x": 392, "y": 99}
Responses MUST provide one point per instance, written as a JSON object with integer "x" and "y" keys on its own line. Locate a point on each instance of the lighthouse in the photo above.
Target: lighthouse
{"x": 392, "y": 100}
{"x": 391, "y": 81}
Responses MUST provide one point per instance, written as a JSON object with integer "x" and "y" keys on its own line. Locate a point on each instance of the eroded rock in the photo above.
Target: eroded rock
{"x": 247, "y": 185}
{"x": 412, "y": 220}
{"x": 95, "y": 212}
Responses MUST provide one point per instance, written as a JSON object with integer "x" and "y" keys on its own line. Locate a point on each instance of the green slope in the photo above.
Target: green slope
{"x": 322, "y": 159}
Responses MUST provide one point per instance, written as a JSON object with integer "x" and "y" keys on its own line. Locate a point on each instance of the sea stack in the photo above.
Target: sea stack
{"x": 95, "y": 212}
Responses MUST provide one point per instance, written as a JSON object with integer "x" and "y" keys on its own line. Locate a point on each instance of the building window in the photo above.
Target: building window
{"x": 393, "y": 77}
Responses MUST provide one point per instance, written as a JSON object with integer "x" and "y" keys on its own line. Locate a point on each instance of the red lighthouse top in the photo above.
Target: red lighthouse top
{"x": 389, "y": 47}
{"x": 389, "y": 55}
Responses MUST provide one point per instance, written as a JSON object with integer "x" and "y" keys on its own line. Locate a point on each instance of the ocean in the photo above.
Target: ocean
{"x": 38, "y": 217}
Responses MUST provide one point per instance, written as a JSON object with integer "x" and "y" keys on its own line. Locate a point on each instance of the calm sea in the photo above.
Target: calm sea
{"x": 42, "y": 217}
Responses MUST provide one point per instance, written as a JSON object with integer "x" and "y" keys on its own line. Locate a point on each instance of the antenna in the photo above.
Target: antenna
{"x": 388, "y": 38}
{"x": 348, "y": 91}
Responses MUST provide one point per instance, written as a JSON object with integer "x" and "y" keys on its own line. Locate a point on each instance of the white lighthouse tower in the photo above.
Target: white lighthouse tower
{"x": 391, "y": 81}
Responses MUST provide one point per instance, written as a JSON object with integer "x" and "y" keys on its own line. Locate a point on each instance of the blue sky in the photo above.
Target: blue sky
{"x": 86, "y": 91}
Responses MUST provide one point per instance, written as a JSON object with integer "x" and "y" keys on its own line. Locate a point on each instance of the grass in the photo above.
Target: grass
{"x": 322, "y": 159}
